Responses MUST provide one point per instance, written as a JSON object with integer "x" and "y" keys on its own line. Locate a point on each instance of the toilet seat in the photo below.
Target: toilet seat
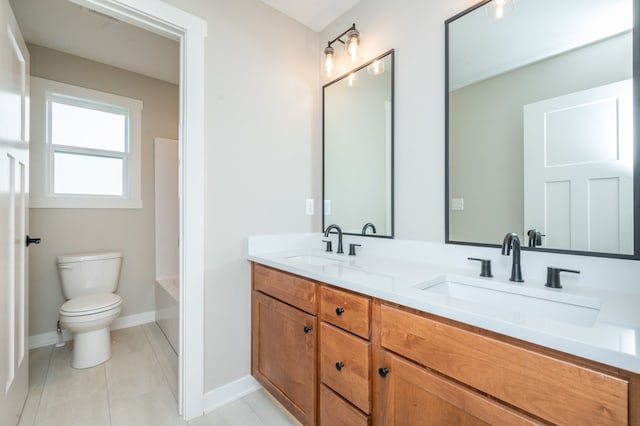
{"x": 90, "y": 304}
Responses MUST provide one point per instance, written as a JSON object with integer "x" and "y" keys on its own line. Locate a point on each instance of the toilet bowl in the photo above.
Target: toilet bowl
{"x": 89, "y": 282}
{"x": 89, "y": 318}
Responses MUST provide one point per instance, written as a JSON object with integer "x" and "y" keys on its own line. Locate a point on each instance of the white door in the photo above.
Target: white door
{"x": 578, "y": 169}
{"x": 14, "y": 193}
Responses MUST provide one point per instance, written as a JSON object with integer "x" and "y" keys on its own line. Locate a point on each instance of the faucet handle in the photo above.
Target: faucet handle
{"x": 485, "y": 266}
{"x": 553, "y": 276}
{"x": 352, "y": 248}
{"x": 328, "y": 243}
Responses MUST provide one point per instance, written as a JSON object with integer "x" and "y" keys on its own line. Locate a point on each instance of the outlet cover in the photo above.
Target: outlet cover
{"x": 457, "y": 204}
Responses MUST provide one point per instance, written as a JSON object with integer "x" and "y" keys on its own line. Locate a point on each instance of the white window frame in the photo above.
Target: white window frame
{"x": 42, "y": 151}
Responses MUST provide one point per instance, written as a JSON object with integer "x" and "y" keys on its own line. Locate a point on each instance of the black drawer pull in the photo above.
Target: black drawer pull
{"x": 339, "y": 365}
{"x": 383, "y": 372}
{"x": 339, "y": 311}
{"x": 307, "y": 329}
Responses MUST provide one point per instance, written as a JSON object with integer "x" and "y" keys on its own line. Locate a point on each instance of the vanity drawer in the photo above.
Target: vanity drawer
{"x": 344, "y": 365}
{"x": 335, "y": 411}
{"x": 291, "y": 289}
{"x": 555, "y": 390}
{"x": 345, "y": 310}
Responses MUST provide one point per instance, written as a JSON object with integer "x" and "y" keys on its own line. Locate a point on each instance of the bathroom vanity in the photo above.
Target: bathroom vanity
{"x": 340, "y": 341}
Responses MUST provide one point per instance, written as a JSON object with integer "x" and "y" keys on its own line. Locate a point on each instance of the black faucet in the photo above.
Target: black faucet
{"x": 511, "y": 241}
{"x": 337, "y": 228}
{"x": 369, "y": 225}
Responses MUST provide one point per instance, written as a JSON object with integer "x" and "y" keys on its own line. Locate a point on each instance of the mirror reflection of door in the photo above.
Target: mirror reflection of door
{"x": 578, "y": 169}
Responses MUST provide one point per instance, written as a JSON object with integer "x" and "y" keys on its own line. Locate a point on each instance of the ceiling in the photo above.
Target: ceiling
{"x": 315, "y": 14}
{"x": 70, "y": 28}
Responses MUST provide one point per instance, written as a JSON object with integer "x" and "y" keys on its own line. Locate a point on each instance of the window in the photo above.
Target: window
{"x": 85, "y": 148}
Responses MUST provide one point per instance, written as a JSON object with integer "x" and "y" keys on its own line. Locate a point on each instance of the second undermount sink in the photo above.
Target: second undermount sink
{"x": 512, "y": 302}
{"x": 316, "y": 260}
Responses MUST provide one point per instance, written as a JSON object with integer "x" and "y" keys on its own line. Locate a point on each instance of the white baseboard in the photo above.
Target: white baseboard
{"x": 51, "y": 338}
{"x": 230, "y": 392}
{"x": 133, "y": 320}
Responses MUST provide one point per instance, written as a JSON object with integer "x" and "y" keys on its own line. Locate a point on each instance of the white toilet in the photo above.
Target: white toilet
{"x": 89, "y": 281}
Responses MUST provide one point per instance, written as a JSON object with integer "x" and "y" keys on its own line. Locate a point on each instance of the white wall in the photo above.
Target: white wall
{"x": 262, "y": 154}
{"x": 167, "y": 217}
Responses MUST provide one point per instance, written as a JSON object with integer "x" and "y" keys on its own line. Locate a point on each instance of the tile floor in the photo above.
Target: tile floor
{"x": 137, "y": 386}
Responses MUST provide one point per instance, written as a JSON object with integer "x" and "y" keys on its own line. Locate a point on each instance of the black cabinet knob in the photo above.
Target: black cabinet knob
{"x": 307, "y": 329}
{"x": 339, "y": 365}
{"x": 339, "y": 311}
{"x": 383, "y": 372}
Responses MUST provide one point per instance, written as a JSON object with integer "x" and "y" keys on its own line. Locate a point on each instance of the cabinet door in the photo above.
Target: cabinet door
{"x": 412, "y": 395}
{"x": 284, "y": 355}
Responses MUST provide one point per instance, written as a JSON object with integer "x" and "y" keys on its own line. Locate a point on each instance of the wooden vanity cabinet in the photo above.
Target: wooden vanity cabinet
{"x": 284, "y": 339}
{"x": 336, "y": 357}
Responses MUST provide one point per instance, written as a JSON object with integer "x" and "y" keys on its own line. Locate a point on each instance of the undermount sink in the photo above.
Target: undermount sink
{"x": 512, "y": 302}
{"x": 316, "y": 260}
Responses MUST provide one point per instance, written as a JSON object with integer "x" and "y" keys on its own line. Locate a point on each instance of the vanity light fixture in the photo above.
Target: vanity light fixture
{"x": 498, "y": 8}
{"x": 351, "y": 43}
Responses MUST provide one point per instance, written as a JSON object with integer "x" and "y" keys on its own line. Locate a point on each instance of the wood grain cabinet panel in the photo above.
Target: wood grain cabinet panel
{"x": 345, "y": 365}
{"x": 552, "y": 389}
{"x": 291, "y": 289}
{"x": 284, "y": 360}
{"x": 335, "y": 411}
{"x": 414, "y": 396}
{"x": 346, "y": 310}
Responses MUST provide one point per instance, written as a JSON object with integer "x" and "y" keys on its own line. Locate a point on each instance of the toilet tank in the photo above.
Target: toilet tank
{"x": 89, "y": 273}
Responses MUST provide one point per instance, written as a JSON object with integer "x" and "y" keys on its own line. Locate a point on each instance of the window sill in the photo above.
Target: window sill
{"x": 83, "y": 203}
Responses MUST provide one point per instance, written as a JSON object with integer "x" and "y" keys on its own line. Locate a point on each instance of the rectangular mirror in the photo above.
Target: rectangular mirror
{"x": 357, "y": 119}
{"x": 540, "y": 117}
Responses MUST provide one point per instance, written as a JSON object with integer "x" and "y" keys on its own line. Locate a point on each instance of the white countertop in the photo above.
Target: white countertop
{"x": 397, "y": 277}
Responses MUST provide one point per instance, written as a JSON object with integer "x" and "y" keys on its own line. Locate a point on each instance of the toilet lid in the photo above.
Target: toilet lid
{"x": 90, "y": 304}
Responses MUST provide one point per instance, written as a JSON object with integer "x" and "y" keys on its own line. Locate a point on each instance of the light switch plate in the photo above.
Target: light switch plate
{"x": 309, "y": 206}
{"x": 457, "y": 204}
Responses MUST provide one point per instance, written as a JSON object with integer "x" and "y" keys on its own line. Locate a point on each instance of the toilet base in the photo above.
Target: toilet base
{"x": 91, "y": 348}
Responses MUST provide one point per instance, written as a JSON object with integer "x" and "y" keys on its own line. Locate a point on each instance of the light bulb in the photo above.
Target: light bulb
{"x": 353, "y": 40}
{"x": 328, "y": 60}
